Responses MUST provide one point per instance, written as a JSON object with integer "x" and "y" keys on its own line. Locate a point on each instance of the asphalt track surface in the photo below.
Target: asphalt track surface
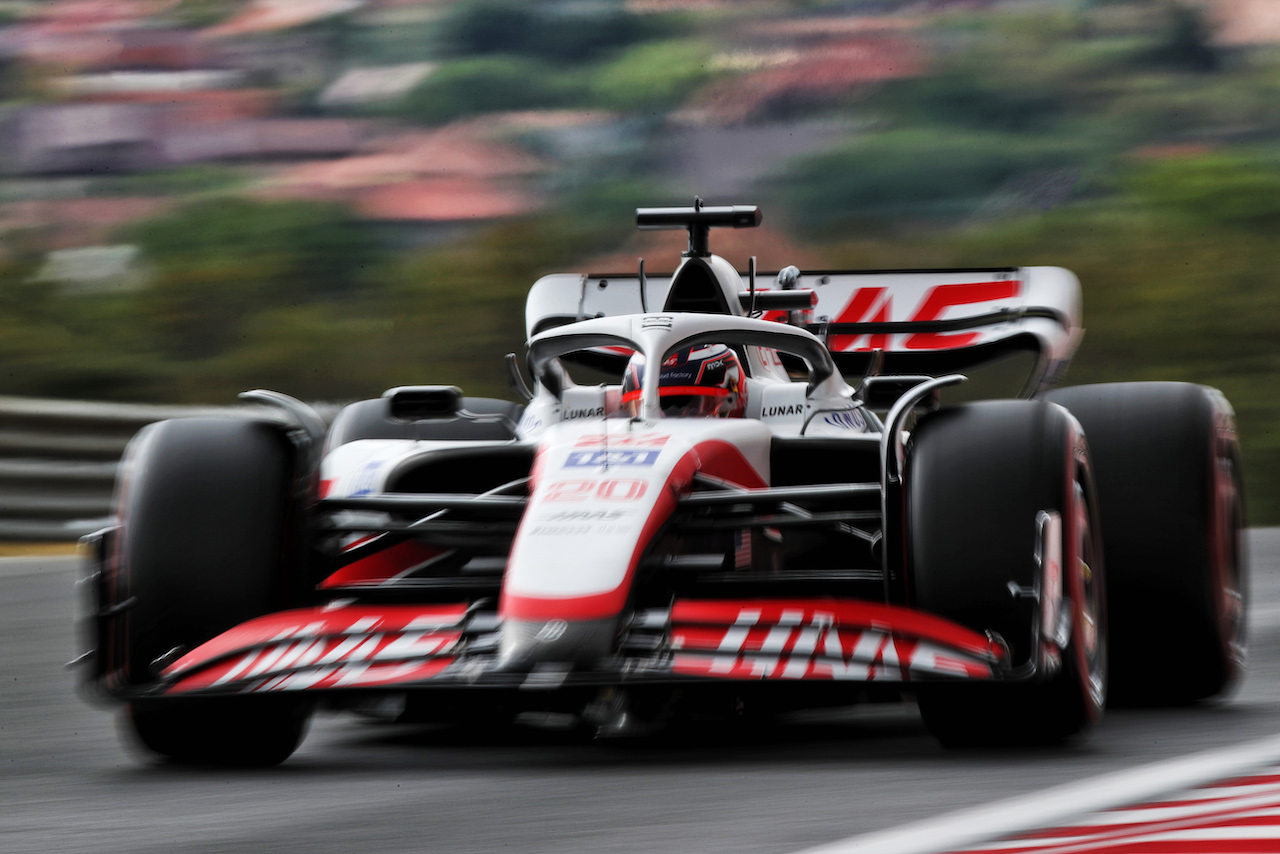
{"x": 67, "y": 785}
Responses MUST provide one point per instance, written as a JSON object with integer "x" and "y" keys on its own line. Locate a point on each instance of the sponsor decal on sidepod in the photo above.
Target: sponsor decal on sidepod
{"x": 850, "y": 420}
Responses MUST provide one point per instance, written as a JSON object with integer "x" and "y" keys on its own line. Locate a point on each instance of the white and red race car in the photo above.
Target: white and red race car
{"x": 780, "y": 515}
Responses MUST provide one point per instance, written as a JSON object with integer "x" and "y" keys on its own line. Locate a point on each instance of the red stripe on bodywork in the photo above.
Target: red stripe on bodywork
{"x": 857, "y": 309}
{"x": 384, "y": 565}
{"x": 680, "y": 391}
{"x": 515, "y": 607}
{"x": 302, "y": 623}
{"x": 945, "y": 296}
{"x": 715, "y": 458}
{"x": 843, "y": 613}
{"x": 823, "y": 639}
{"x": 345, "y": 675}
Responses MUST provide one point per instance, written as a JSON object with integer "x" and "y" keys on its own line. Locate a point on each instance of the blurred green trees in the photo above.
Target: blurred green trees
{"x": 487, "y": 84}
{"x": 562, "y": 32}
{"x": 241, "y": 293}
{"x": 879, "y": 178}
{"x": 507, "y": 55}
{"x": 652, "y": 77}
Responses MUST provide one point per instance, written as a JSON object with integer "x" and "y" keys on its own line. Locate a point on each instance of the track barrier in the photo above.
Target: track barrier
{"x": 58, "y": 461}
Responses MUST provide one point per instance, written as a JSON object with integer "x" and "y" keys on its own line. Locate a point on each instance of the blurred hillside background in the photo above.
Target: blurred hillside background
{"x": 329, "y": 197}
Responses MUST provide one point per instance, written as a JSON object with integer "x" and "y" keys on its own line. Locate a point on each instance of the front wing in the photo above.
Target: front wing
{"x": 351, "y": 647}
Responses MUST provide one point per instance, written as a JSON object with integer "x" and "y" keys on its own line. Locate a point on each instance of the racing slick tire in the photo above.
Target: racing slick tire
{"x": 978, "y": 478}
{"x": 207, "y": 540}
{"x": 247, "y": 732}
{"x": 1171, "y": 497}
{"x": 371, "y": 419}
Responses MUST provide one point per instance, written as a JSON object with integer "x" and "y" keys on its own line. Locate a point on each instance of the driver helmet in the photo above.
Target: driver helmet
{"x": 704, "y": 381}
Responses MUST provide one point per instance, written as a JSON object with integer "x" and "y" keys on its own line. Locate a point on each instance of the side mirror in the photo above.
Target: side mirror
{"x": 881, "y": 393}
{"x": 424, "y": 402}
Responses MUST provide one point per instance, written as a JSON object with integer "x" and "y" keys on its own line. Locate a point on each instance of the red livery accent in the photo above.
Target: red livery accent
{"x": 387, "y": 564}
{"x": 641, "y": 440}
{"x": 714, "y": 457}
{"x": 682, "y": 390}
{"x": 945, "y": 296}
{"x": 858, "y": 310}
{"x": 874, "y": 305}
{"x": 352, "y": 675}
{"x": 844, "y": 613}
{"x": 807, "y": 639}
{"x": 581, "y": 489}
{"x": 319, "y": 639}
{"x": 898, "y": 661}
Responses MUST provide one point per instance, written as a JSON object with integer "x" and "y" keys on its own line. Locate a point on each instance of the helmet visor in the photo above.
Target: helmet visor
{"x": 686, "y": 401}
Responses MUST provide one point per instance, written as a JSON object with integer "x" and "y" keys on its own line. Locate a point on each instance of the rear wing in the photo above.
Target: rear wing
{"x": 919, "y": 321}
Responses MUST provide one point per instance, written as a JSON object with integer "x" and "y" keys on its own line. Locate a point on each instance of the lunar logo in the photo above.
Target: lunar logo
{"x": 590, "y": 412}
{"x": 552, "y": 630}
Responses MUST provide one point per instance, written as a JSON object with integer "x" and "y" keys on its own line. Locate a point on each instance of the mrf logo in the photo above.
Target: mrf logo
{"x": 611, "y": 457}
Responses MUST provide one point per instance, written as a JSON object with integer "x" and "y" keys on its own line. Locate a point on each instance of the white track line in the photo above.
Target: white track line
{"x": 1051, "y": 806}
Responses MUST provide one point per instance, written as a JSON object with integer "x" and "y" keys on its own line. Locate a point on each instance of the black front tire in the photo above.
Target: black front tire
{"x": 209, "y": 537}
{"x": 978, "y": 479}
{"x": 232, "y": 732}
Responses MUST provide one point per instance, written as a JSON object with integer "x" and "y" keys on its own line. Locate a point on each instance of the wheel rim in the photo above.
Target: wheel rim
{"x": 1087, "y": 584}
{"x": 1228, "y": 575}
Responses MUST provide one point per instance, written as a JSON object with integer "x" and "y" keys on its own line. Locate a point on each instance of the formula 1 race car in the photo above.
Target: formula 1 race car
{"x": 718, "y": 496}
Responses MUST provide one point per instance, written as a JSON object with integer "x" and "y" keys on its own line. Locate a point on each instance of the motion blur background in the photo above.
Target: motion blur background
{"x": 330, "y": 197}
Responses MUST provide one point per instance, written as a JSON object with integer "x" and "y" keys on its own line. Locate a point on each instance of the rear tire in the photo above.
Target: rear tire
{"x": 1171, "y": 496}
{"x": 978, "y": 476}
{"x": 206, "y": 541}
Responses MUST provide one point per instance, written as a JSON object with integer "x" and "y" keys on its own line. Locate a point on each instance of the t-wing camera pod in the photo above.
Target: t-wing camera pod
{"x": 699, "y": 220}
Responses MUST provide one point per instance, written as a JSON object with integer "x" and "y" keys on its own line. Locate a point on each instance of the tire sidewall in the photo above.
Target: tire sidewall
{"x": 1171, "y": 499}
{"x": 977, "y": 477}
{"x": 207, "y": 517}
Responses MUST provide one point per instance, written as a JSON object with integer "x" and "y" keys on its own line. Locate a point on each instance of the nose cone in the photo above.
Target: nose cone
{"x": 525, "y": 643}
